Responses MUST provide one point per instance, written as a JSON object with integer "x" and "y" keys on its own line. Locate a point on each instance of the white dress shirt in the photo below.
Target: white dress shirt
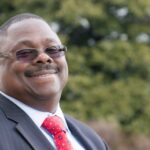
{"x": 39, "y": 116}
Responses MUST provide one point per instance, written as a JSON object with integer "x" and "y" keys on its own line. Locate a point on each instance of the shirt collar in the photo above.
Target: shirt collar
{"x": 37, "y": 116}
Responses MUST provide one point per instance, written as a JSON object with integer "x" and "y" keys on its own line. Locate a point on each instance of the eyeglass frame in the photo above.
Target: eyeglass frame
{"x": 59, "y": 48}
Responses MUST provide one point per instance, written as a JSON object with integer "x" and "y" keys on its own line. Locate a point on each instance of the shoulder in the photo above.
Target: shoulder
{"x": 86, "y": 131}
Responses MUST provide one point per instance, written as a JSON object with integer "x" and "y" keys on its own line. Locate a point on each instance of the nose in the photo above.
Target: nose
{"x": 43, "y": 58}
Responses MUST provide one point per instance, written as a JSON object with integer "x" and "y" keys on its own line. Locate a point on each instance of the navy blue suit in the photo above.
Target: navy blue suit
{"x": 18, "y": 131}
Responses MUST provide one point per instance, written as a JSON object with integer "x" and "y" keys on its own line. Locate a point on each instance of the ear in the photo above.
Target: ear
{"x": 0, "y": 75}
{"x": 1, "y": 70}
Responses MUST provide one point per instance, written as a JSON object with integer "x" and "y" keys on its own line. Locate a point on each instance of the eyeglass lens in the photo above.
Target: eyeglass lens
{"x": 30, "y": 54}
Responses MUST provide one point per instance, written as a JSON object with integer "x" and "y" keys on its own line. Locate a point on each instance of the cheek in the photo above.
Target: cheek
{"x": 18, "y": 67}
{"x": 12, "y": 78}
{"x": 9, "y": 80}
{"x": 13, "y": 72}
{"x": 64, "y": 70}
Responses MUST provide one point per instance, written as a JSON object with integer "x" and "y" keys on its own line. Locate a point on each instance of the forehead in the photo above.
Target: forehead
{"x": 34, "y": 30}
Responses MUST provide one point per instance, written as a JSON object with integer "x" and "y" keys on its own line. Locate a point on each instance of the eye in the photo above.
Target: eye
{"x": 52, "y": 50}
{"x": 25, "y": 54}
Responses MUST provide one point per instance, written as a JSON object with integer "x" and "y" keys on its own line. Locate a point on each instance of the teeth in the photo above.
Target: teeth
{"x": 42, "y": 74}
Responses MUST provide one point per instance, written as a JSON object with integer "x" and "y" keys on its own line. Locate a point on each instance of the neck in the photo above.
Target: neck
{"x": 42, "y": 103}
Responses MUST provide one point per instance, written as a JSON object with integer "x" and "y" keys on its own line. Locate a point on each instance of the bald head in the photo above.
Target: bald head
{"x": 13, "y": 21}
{"x": 18, "y": 18}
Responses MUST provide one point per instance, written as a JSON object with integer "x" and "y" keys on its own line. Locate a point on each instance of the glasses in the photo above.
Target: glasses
{"x": 30, "y": 54}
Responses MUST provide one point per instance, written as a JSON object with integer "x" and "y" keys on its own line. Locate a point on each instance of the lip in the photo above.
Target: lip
{"x": 43, "y": 73}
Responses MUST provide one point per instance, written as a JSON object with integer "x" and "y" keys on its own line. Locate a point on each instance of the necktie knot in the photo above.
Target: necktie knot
{"x": 55, "y": 126}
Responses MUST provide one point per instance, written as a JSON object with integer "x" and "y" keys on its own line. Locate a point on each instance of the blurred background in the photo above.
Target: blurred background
{"x": 109, "y": 63}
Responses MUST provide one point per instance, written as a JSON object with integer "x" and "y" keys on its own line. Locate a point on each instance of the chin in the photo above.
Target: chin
{"x": 47, "y": 94}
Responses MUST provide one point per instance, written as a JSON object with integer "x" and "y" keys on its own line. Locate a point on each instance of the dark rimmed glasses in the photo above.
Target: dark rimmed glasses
{"x": 30, "y": 54}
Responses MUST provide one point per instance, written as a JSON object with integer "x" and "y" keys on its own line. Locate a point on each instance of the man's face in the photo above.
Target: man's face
{"x": 41, "y": 77}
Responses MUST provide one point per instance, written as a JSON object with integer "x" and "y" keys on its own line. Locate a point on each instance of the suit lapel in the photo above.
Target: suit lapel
{"x": 78, "y": 134}
{"x": 34, "y": 136}
{"x": 24, "y": 125}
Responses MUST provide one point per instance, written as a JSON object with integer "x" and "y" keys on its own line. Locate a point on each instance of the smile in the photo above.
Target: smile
{"x": 43, "y": 74}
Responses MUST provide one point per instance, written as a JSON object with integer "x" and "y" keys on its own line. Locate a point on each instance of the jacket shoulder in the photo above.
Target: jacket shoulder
{"x": 87, "y": 132}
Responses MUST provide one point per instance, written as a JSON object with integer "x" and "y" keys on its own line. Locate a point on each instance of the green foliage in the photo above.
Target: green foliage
{"x": 108, "y": 56}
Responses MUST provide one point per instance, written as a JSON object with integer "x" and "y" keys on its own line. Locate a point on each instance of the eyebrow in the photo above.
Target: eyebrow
{"x": 22, "y": 42}
{"x": 48, "y": 41}
{"x": 31, "y": 43}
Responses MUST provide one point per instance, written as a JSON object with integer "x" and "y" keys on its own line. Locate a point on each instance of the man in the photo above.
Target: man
{"x": 33, "y": 73}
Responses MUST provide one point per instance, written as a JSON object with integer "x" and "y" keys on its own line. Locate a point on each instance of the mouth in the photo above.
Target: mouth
{"x": 41, "y": 74}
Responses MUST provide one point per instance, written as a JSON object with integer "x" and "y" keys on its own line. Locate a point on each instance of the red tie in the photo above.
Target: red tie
{"x": 56, "y": 127}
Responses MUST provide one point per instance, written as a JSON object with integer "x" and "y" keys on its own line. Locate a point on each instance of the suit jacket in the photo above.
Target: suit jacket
{"x": 18, "y": 131}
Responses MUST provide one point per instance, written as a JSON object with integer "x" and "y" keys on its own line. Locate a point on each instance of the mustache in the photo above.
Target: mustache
{"x": 40, "y": 68}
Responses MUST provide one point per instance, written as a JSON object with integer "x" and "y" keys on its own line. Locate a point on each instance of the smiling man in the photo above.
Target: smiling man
{"x": 33, "y": 73}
